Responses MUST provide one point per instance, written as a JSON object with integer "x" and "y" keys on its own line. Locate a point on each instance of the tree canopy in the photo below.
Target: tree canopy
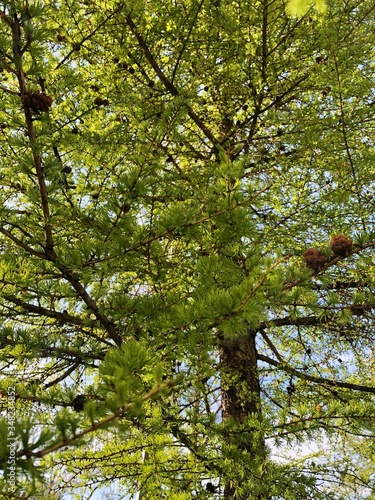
{"x": 187, "y": 249}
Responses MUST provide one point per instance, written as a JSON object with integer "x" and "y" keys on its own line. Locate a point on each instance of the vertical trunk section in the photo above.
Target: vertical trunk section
{"x": 240, "y": 399}
{"x": 241, "y": 394}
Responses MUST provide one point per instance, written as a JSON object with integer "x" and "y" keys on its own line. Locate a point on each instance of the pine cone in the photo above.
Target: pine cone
{"x": 26, "y": 100}
{"x": 37, "y": 101}
{"x": 101, "y": 102}
{"x": 341, "y": 245}
{"x": 34, "y": 105}
{"x": 79, "y": 402}
{"x": 314, "y": 259}
{"x": 45, "y": 99}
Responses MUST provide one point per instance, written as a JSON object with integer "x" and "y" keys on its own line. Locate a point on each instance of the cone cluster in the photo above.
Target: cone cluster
{"x": 36, "y": 101}
{"x": 340, "y": 245}
{"x": 314, "y": 259}
{"x": 101, "y": 102}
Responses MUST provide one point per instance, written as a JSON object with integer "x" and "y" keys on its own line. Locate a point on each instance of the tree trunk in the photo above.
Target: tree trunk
{"x": 241, "y": 399}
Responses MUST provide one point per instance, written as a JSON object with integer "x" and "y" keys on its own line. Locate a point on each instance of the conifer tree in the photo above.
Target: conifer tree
{"x": 186, "y": 249}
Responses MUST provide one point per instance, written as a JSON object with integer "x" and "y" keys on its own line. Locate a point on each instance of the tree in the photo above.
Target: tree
{"x": 165, "y": 166}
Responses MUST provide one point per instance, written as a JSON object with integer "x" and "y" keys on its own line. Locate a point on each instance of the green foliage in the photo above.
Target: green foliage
{"x": 300, "y": 7}
{"x": 159, "y": 329}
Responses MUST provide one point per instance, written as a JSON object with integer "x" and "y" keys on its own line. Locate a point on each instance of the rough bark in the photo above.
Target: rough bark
{"x": 241, "y": 397}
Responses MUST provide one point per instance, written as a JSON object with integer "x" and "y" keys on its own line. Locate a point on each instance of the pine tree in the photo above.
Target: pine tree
{"x": 186, "y": 249}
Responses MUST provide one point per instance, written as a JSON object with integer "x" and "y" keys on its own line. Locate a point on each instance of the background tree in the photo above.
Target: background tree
{"x": 164, "y": 168}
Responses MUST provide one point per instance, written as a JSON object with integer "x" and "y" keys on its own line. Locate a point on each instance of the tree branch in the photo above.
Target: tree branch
{"x": 91, "y": 304}
{"x": 167, "y": 84}
{"x": 42, "y": 311}
{"x": 102, "y": 423}
{"x": 315, "y": 380}
{"x": 20, "y": 244}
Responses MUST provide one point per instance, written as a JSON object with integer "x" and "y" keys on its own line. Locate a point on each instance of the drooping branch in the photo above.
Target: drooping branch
{"x": 109, "y": 326}
{"x": 312, "y": 378}
{"x": 271, "y": 345}
{"x": 23, "y": 245}
{"x": 155, "y": 392}
{"x": 74, "y": 281}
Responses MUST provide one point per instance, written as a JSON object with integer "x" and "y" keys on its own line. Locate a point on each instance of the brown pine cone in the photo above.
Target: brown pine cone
{"x": 341, "y": 245}
{"x": 101, "y": 102}
{"x": 37, "y": 101}
{"x": 34, "y": 104}
{"x": 45, "y": 99}
{"x": 314, "y": 259}
{"x": 26, "y": 100}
